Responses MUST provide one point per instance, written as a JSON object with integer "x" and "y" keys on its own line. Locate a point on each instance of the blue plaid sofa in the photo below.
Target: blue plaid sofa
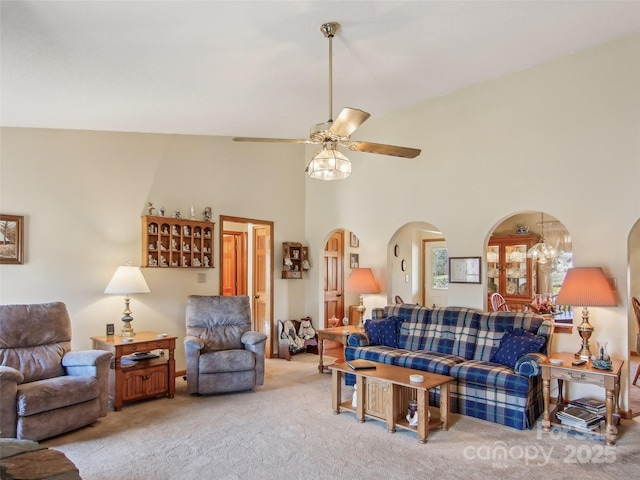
{"x": 469, "y": 346}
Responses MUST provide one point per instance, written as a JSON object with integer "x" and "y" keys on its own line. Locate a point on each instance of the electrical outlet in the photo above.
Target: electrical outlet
{"x": 406, "y": 278}
{"x": 202, "y": 278}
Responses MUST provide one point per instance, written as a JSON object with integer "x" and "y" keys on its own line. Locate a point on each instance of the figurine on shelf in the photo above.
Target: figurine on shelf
{"x": 174, "y": 244}
{"x": 177, "y": 214}
{"x": 193, "y": 213}
{"x": 185, "y": 229}
{"x": 185, "y": 263}
{"x": 152, "y": 261}
{"x": 162, "y": 211}
{"x": 306, "y": 265}
{"x": 165, "y": 230}
{"x": 287, "y": 263}
{"x": 195, "y": 248}
{"x": 185, "y": 247}
{"x": 208, "y": 214}
{"x": 174, "y": 230}
{"x": 163, "y": 261}
{"x": 196, "y": 262}
{"x": 174, "y": 264}
{"x": 206, "y": 261}
{"x": 150, "y": 208}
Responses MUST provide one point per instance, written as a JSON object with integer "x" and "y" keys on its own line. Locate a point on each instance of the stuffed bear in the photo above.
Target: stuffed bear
{"x": 306, "y": 331}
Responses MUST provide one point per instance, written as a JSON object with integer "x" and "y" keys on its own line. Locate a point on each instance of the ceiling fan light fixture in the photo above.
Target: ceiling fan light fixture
{"x": 329, "y": 164}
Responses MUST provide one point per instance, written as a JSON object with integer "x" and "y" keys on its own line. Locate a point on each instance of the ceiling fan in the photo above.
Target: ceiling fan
{"x": 329, "y": 163}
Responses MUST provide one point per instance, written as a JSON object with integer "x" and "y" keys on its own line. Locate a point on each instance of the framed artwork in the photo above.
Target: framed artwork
{"x": 11, "y": 239}
{"x": 354, "y": 240}
{"x": 464, "y": 270}
{"x": 354, "y": 261}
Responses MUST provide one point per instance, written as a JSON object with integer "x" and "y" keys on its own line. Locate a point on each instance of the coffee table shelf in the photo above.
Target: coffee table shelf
{"x": 384, "y": 393}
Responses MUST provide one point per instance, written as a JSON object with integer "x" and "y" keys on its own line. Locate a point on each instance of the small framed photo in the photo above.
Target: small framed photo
{"x": 354, "y": 260}
{"x": 355, "y": 243}
{"x": 111, "y": 330}
{"x": 464, "y": 270}
{"x": 11, "y": 239}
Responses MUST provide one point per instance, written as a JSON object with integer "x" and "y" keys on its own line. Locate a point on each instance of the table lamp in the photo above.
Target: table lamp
{"x": 586, "y": 286}
{"x": 362, "y": 281}
{"x": 127, "y": 280}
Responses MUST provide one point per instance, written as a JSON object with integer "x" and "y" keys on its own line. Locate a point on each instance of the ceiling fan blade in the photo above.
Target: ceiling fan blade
{"x": 271, "y": 140}
{"x": 383, "y": 149}
{"x": 347, "y": 122}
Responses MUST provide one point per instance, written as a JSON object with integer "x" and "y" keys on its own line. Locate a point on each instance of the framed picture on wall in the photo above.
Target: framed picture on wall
{"x": 355, "y": 243}
{"x": 464, "y": 270}
{"x": 11, "y": 239}
{"x": 354, "y": 261}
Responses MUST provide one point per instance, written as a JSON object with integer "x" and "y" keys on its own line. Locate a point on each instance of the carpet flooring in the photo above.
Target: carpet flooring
{"x": 287, "y": 429}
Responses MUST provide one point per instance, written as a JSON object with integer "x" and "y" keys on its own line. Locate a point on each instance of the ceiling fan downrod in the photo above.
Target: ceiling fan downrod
{"x": 329, "y": 29}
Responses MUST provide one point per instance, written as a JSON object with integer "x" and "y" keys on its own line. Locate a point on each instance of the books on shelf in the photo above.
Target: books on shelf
{"x": 591, "y": 404}
{"x": 579, "y": 417}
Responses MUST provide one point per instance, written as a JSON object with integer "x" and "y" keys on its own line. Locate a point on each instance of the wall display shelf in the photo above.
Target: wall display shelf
{"x": 294, "y": 259}
{"x": 175, "y": 242}
{"x": 509, "y": 271}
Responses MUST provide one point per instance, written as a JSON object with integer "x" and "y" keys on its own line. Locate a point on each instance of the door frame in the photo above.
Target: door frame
{"x": 249, "y": 253}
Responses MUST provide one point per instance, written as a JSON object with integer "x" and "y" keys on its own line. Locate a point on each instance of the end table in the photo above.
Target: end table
{"x": 144, "y": 378}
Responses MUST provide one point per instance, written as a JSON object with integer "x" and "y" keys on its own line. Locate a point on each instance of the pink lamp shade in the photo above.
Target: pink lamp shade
{"x": 586, "y": 287}
{"x": 362, "y": 281}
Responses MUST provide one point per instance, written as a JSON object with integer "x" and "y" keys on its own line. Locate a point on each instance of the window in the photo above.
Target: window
{"x": 440, "y": 268}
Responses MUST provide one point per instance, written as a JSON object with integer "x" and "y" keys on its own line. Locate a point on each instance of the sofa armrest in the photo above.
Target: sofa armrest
{"x": 91, "y": 363}
{"x": 253, "y": 338}
{"x": 9, "y": 380}
{"x": 10, "y": 374}
{"x": 193, "y": 343}
{"x": 529, "y": 365}
{"x": 358, "y": 339}
{"x": 85, "y": 358}
{"x": 256, "y": 342}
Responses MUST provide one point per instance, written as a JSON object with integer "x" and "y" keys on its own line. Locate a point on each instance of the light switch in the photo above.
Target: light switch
{"x": 202, "y": 278}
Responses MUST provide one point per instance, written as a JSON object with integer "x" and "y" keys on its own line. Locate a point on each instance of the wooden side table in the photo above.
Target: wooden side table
{"x": 339, "y": 335}
{"x": 145, "y": 378}
{"x": 608, "y": 379}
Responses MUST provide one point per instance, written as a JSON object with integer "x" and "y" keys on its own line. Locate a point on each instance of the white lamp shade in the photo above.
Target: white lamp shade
{"x": 127, "y": 279}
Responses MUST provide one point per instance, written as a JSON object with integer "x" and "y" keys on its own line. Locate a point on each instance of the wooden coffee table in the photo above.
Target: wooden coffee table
{"x": 384, "y": 394}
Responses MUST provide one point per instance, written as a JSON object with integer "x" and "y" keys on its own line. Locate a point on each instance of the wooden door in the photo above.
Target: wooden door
{"x": 261, "y": 299}
{"x": 234, "y": 264}
{"x": 333, "y": 277}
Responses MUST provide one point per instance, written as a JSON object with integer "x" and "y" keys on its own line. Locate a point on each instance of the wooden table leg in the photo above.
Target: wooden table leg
{"x": 445, "y": 404}
{"x": 560, "y": 399}
{"x": 360, "y": 386}
{"x": 423, "y": 415}
{"x": 390, "y": 406}
{"x": 610, "y": 431}
{"x": 336, "y": 378}
{"x": 321, "y": 349}
{"x": 546, "y": 417}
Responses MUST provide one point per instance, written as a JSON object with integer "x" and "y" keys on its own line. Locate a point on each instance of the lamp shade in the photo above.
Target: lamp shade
{"x": 586, "y": 287}
{"x": 127, "y": 279}
{"x": 362, "y": 281}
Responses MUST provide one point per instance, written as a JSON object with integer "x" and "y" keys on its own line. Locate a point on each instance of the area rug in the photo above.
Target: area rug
{"x": 287, "y": 429}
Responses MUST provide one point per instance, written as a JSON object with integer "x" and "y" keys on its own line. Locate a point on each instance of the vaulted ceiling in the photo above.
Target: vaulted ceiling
{"x": 260, "y": 68}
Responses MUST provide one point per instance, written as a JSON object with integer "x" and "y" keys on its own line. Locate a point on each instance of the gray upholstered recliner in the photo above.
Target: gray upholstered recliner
{"x": 222, "y": 353}
{"x": 45, "y": 389}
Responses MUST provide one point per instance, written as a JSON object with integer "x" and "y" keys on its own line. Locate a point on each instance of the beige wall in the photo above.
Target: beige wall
{"x": 576, "y": 120}
{"x": 82, "y": 194}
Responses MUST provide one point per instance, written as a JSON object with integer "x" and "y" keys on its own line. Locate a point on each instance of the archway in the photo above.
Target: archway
{"x": 634, "y": 291}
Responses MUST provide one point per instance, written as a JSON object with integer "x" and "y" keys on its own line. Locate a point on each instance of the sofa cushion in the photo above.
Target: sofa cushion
{"x": 453, "y": 331}
{"x": 493, "y": 325}
{"x": 375, "y": 353}
{"x": 491, "y": 376}
{"x": 227, "y": 361}
{"x": 383, "y": 332}
{"x": 514, "y": 344}
{"x": 53, "y": 393}
{"x": 430, "y": 362}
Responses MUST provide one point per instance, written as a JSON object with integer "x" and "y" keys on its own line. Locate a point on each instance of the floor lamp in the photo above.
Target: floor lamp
{"x": 362, "y": 281}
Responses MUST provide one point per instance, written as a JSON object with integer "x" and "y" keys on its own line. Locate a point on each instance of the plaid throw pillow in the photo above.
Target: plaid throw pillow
{"x": 514, "y": 344}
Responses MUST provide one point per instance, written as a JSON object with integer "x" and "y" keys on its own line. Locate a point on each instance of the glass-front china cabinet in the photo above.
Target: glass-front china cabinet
{"x": 509, "y": 271}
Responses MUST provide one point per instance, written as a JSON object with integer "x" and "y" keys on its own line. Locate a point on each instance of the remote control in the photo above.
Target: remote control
{"x": 577, "y": 363}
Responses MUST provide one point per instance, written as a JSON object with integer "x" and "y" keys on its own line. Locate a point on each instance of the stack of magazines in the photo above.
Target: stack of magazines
{"x": 590, "y": 404}
{"x": 580, "y": 418}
